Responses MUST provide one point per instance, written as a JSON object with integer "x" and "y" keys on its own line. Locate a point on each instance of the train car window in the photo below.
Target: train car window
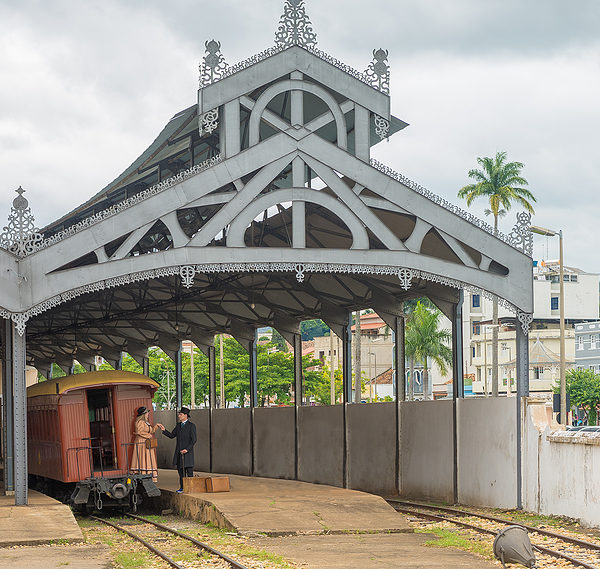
{"x": 101, "y": 429}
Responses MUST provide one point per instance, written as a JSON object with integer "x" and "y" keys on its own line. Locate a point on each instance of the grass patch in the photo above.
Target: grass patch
{"x": 132, "y": 560}
{"x": 449, "y": 538}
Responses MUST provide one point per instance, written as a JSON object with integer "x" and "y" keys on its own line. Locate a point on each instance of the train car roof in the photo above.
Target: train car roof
{"x": 89, "y": 379}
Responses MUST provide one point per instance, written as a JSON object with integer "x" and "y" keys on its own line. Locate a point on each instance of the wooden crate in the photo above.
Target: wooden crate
{"x": 217, "y": 484}
{"x": 194, "y": 485}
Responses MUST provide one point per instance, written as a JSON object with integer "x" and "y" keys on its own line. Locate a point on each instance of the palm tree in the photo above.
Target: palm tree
{"x": 424, "y": 341}
{"x": 502, "y": 184}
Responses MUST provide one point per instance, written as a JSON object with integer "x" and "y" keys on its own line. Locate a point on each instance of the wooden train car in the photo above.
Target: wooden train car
{"x": 80, "y": 435}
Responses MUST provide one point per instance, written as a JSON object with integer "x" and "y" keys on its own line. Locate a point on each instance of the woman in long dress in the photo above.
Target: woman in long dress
{"x": 143, "y": 460}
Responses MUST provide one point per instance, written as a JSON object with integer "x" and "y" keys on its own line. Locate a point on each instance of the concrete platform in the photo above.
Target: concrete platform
{"x": 273, "y": 507}
{"x": 43, "y": 521}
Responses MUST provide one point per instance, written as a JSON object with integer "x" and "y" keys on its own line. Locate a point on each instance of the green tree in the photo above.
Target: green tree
{"x": 425, "y": 341}
{"x": 500, "y": 182}
{"x": 583, "y": 387}
{"x": 309, "y": 329}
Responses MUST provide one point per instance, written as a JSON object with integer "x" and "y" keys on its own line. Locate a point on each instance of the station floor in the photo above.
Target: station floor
{"x": 316, "y": 526}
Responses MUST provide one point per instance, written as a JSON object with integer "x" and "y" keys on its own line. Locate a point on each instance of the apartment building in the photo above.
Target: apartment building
{"x": 581, "y": 292}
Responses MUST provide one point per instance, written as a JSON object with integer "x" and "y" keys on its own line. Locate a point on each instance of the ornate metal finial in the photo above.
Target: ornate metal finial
{"x": 294, "y": 26}
{"x": 378, "y": 72}
{"x": 520, "y": 236}
{"x": 213, "y": 65}
{"x": 20, "y": 236}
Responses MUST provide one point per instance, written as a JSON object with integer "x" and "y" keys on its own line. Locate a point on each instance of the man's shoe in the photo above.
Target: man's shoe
{"x": 180, "y": 491}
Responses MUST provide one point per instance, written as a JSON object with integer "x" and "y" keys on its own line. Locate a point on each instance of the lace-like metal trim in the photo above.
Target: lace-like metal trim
{"x": 208, "y": 121}
{"x": 294, "y": 26}
{"x": 520, "y": 236}
{"x": 213, "y": 65}
{"x": 378, "y": 72}
{"x": 188, "y": 272}
{"x": 271, "y": 51}
{"x": 525, "y": 319}
{"x": 20, "y": 236}
{"x": 517, "y": 237}
{"x": 382, "y": 127}
{"x": 129, "y": 202}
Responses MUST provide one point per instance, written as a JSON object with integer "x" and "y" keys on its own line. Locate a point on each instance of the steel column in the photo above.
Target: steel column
{"x": 20, "y": 416}
{"x": 212, "y": 396}
{"x": 253, "y": 400}
{"x": 347, "y": 396}
{"x": 9, "y": 411}
{"x": 457, "y": 384}
{"x": 146, "y": 366}
{"x": 298, "y": 394}
{"x": 399, "y": 391}
{"x": 522, "y": 361}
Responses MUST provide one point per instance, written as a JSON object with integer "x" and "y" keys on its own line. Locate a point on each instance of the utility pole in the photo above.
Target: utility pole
{"x": 221, "y": 374}
{"x": 357, "y": 362}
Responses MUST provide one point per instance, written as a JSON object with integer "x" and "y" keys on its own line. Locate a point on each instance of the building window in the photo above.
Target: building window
{"x": 573, "y": 278}
{"x": 538, "y": 372}
{"x": 478, "y": 350}
{"x": 476, "y": 301}
{"x": 554, "y": 303}
{"x": 472, "y": 351}
{"x": 580, "y": 342}
{"x": 593, "y": 342}
{"x": 475, "y": 328}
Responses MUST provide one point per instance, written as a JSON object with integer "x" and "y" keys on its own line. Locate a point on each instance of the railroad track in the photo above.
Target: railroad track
{"x": 578, "y": 552}
{"x": 147, "y": 542}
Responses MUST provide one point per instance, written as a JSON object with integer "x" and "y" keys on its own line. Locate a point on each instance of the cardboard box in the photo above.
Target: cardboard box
{"x": 194, "y": 485}
{"x": 217, "y": 484}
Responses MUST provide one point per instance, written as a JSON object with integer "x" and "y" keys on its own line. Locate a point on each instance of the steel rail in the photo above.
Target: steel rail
{"x": 573, "y": 540}
{"x": 196, "y": 542}
{"x": 142, "y": 541}
{"x": 540, "y": 548}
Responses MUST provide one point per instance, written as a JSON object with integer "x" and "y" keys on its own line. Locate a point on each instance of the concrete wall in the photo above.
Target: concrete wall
{"x": 427, "y": 453}
{"x": 321, "y": 443}
{"x": 231, "y": 441}
{"x": 372, "y": 447}
{"x": 274, "y": 442}
{"x": 560, "y": 472}
{"x": 487, "y": 450}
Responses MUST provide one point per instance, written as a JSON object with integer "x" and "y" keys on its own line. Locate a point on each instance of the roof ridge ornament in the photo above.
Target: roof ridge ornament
{"x": 378, "y": 72}
{"x": 213, "y": 65}
{"x": 20, "y": 236}
{"x": 295, "y": 28}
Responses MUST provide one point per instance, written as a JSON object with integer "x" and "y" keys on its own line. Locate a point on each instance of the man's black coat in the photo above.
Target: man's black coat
{"x": 185, "y": 433}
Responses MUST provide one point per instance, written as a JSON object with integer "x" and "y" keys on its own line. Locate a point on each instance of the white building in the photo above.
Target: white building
{"x": 581, "y": 291}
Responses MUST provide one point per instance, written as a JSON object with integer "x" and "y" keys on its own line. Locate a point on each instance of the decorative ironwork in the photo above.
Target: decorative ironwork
{"x": 467, "y": 216}
{"x": 20, "y": 236}
{"x": 209, "y": 121}
{"x": 382, "y": 127}
{"x": 271, "y": 51}
{"x": 129, "y": 202}
{"x": 520, "y": 237}
{"x": 213, "y": 65}
{"x": 300, "y": 268}
{"x": 405, "y": 276}
{"x": 378, "y": 72}
{"x": 187, "y": 273}
{"x": 21, "y": 318}
{"x": 294, "y": 26}
{"x": 525, "y": 319}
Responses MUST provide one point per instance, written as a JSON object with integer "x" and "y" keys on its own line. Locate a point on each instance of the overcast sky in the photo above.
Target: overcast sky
{"x": 86, "y": 86}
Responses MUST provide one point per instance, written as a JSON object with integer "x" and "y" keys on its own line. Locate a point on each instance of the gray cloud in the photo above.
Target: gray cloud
{"x": 87, "y": 87}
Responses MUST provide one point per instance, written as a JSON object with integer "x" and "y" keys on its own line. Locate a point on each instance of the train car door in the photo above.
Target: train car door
{"x": 102, "y": 429}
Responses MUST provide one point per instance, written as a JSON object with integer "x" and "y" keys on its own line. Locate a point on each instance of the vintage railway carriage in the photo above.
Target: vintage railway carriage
{"x": 80, "y": 435}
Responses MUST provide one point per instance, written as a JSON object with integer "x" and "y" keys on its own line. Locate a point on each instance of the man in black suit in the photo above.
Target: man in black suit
{"x": 185, "y": 433}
